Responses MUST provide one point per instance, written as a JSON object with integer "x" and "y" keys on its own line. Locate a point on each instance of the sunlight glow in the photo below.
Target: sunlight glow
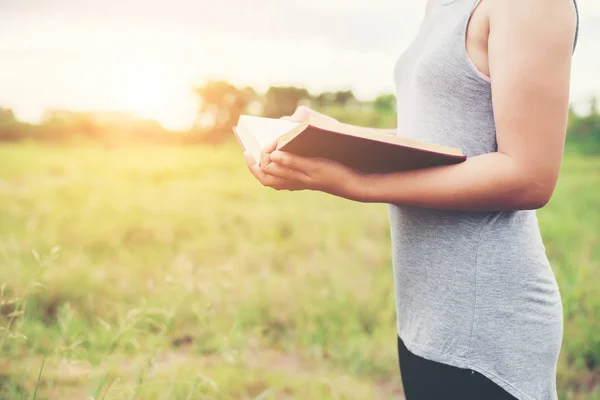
{"x": 152, "y": 91}
{"x": 144, "y": 92}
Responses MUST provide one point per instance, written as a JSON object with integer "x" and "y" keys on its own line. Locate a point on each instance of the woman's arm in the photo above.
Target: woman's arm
{"x": 530, "y": 59}
{"x": 493, "y": 181}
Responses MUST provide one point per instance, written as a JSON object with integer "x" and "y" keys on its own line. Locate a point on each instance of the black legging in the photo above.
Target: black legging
{"x": 428, "y": 380}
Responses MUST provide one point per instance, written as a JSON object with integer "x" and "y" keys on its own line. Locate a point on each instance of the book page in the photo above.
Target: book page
{"x": 248, "y": 142}
{"x": 266, "y": 130}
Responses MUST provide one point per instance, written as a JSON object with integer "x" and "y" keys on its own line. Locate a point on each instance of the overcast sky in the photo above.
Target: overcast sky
{"x": 144, "y": 55}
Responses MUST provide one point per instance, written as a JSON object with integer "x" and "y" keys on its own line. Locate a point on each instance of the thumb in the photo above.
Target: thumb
{"x": 249, "y": 158}
{"x": 271, "y": 147}
{"x": 302, "y": 114}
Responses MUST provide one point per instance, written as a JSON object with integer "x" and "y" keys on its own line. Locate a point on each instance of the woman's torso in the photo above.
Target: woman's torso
{"x": 474, "y": 289}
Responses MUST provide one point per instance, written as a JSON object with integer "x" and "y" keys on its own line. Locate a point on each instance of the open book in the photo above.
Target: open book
{"x": 364, "y": 149}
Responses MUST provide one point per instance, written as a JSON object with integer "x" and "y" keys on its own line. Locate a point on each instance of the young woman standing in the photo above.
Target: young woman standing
{"x": 479, "y": 310}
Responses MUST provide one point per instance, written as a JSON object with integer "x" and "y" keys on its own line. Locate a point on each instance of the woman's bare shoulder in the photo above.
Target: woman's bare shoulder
{"x": 542, "y": 15}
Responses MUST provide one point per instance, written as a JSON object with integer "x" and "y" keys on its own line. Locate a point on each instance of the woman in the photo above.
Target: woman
{"x": 479, "y": 310}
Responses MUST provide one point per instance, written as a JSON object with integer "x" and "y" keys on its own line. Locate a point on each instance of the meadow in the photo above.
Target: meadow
{"x": 166, "y": 272}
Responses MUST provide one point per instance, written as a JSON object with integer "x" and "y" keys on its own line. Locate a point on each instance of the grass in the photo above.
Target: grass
{"x": 168, "y": 273}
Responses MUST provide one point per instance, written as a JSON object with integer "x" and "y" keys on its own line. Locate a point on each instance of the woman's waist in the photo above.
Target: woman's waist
{"x": 500, "y": 237}
{"x": 438, "y": 223}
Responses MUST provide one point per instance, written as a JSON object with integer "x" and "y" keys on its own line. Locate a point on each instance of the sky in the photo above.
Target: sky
{"x": 145, "y": 56}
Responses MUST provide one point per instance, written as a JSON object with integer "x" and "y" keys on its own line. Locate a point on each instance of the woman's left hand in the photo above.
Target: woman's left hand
{"x": 284, "y": 171}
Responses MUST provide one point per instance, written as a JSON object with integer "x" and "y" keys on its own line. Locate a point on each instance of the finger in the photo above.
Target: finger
{"x": 255, "y": 169}
{"x": 279, "y": 183}
{"x": 292, "y": 161}
{"x": 289, "y": 174}
{"x": 251, "y": 163}
{"x": 271, "y": 147}
{"x": 265, "y": 155}
{"x": 265, "y": 159}
{"x": 249, "y": 159}
{"x": 267, "y": 180}
{"x": 290, "y": 187}
{"x": 301, "y": 114}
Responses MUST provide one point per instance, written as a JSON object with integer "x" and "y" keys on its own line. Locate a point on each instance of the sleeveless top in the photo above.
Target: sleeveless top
{"x": 473, "y": 289}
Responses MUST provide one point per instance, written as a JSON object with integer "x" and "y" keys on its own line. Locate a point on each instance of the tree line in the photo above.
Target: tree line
{"x": 220, "y": 104}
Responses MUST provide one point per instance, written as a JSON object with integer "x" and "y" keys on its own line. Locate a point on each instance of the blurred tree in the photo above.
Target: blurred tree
{"x": 593, "y": 106}
{"x": 320, "y": 101}
{"x": 60, "y": 124}
{"x": 385, "y": 103}
{"x": 584, "y": 131}
{"x": 254, "y": 102}
{"x": 85, "y": 124}
{"x": 149, "y": 130}
{"x": 10, "y": 128}
{"x": 221, "y": 104}
{"x": 7, "y": 115}
{"x": 341, "y": 98}
{"x": 283, "y": 100}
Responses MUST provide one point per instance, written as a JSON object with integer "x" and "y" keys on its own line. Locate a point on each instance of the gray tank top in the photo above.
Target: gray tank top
{"x": 474, "y": 289}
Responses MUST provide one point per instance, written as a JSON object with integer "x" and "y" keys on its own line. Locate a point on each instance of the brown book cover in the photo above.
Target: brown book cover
{"x": 364, "y": 149}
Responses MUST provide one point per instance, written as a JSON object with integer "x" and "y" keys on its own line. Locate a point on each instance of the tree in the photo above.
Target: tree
{"x": 341, "y": 98}
{"x": 221, "y": 104}
{"x": 322, "y": 101}
{"x": 385, "y": 103}
{"x": 10, "y": 128}
{"x": 593, "y": 106}
{"x": 584, "y": 130}
{"x": 280, "y": 100}
{"x": 7, "y": 116}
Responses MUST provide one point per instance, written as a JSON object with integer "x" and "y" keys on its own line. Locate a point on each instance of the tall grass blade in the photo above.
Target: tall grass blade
{"x": 37, "y": 384}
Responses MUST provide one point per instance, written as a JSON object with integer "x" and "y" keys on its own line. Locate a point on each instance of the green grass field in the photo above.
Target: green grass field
{"x": 169, "y": 273}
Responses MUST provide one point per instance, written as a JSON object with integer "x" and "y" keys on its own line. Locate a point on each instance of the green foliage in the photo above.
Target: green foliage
{"x": 361, "y": 114}
{"x": 584, "y": 131}
{"x": 10, "y": 128}
{"x": 385, "y": 103}
{"x": 341, "y": 98}
{"x": 168, "y": 273}
{"x": 7, "y": 115}
{"x": 283, "y": 100}
{"x": 570, "y": 229}
{"x": 66, "y": 124}
{"x": 221, "y": 105}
